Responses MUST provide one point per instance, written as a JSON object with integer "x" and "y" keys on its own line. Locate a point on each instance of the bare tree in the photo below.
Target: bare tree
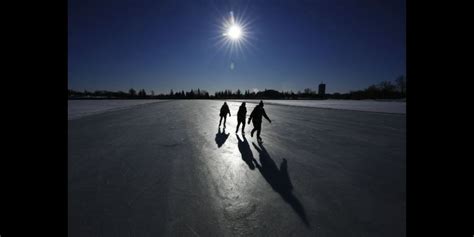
{"x": 401, "y": 84}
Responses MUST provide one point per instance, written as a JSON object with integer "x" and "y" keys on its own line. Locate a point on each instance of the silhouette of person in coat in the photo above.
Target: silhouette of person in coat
{"x": 256, "y": 118}
{"x": 224, "y": 111}
{"x": 241, "y": 117}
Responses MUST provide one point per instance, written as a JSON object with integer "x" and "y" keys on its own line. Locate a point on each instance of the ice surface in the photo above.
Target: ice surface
{"x": 359, "y": 105}
{"x": 81, "y": 108}
{"x": 165, "y": 169}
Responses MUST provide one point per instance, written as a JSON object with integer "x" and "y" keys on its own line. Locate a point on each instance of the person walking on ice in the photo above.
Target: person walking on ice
{"x": 224, "y": 111}
{"x": 256, "y": 118}
{"x": 241, "y": 117}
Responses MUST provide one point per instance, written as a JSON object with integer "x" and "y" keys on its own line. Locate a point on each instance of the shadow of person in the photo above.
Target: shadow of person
{"x": 221, "y": 137}
{"x": 245, "y": 151}
{"x": 279, "y": 180}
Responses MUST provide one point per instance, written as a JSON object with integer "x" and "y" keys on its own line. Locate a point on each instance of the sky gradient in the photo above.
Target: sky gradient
{"x": 292, "y": 45}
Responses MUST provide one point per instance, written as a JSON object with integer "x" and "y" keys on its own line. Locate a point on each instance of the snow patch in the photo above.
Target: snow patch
{"x": 396, "y": 107}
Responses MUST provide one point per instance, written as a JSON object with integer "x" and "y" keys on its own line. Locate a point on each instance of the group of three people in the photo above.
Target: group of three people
{"x": 256, "y": 118}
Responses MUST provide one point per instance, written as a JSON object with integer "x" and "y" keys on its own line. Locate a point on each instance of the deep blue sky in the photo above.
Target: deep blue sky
{"x": 163, "y": 45}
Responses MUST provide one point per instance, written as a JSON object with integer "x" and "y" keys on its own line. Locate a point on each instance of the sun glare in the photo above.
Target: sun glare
{"x": 234, "y": 32}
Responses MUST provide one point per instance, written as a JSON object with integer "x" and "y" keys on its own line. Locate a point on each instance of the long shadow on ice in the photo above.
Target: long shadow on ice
{"x": 245, "y": 151}
{"x": 279, "y": 180}
{"x": 221, "y": 137}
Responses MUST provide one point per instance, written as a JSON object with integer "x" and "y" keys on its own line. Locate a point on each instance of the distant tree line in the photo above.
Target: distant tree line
{"x": 267, "y": 94}
{"x": 141, "y": 94}
{"x": 383, "y": 90}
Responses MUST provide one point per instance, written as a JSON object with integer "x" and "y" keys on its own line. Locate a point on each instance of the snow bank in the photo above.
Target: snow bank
{"x": 396, "y": 107}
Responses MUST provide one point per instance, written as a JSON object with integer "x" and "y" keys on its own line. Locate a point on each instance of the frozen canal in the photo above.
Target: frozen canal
{"x": 164, "y": 169}
{"x": 81, "y": 108}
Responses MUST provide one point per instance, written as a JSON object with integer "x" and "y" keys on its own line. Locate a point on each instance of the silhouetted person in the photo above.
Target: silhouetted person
{"x": 221, "y": 137}
{"x": 241, "y": 117}
{"x": 245, "y": 151}
{"x": 256, "y": 118}
{"x": 224, "y": 111}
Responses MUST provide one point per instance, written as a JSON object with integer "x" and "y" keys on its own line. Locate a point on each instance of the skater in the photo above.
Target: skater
{"x": 224, "y": 111}
{"x": 241, "y": 117}
{"x": 256, "y": 118}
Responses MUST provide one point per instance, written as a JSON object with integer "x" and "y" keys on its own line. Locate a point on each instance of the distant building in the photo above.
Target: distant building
{"x": 322, "y": 90}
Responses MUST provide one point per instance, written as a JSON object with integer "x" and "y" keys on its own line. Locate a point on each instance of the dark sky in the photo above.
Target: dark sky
{"x": 290, "y": 45}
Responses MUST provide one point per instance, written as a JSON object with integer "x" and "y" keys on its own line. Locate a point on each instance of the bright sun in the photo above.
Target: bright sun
{"x": 234, "y": 32}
